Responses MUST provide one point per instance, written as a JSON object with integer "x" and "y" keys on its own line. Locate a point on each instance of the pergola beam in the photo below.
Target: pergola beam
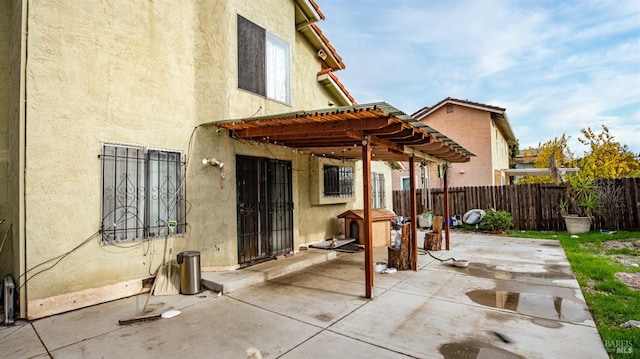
{"x": 260, "y": 132}
{"x": 375, "y": 140}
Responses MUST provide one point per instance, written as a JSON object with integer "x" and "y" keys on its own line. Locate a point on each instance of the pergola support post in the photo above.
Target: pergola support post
{"x": 446, "y": 205}
{"x": 368, "y": 228}
{"x": 413, "y": 224}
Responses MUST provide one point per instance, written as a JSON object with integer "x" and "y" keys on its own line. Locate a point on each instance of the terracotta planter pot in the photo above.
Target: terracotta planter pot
{"x": 577, "y": 224}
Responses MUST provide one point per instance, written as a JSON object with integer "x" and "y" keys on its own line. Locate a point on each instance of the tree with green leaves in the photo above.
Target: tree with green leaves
{"x": 606, "y": 158}
{"x": 558, "y": 149}
{"x": 514, "y": 149}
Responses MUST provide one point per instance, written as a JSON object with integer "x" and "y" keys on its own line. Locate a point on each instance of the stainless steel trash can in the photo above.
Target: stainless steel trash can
{"x": 189, "y": 262}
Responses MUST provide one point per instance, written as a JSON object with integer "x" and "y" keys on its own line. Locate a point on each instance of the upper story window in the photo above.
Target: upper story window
{"x": 338, "y": 181}
{"x": 263, "y": 62}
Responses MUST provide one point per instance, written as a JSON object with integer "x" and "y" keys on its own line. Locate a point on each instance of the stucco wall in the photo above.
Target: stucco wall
{"x": 97, "y": 72}
{"x": 5, "y": 158}
{"x": 213, "y": 207}
{"x": 209, "y": 229}
{"x": 214, "y": 26}
{"x": 335, "y": 226}
{"x": 146, "y": 73}
{"x": 471, "y": 128}
{"x": 499, "y": 155}
{"x": 10, "y": 61}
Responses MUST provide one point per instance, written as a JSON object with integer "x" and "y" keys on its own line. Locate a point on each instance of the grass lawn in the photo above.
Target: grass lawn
{"x": 595, "y": 259}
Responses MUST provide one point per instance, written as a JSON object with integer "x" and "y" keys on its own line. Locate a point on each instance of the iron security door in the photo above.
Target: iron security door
{"x": 265, "y": 208}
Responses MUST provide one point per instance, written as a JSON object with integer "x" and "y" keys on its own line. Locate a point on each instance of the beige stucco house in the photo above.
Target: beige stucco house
{"x": 221, "y": 124}
{"x": 483, "y": 130}
{"x": 108, "y": 113}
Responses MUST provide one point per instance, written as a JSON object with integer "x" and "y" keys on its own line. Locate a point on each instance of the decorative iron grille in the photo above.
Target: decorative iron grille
{"x": 338, "y": 181}
{"x": 142, "y": 190}
{"x": 264, "y": 208}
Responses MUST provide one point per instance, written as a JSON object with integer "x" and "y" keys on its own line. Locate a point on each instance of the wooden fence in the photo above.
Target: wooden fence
{"x": 533, "y": 207}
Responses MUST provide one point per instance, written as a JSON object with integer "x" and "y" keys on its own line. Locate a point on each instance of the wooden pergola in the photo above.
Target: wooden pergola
{"x": 364, "y": 132}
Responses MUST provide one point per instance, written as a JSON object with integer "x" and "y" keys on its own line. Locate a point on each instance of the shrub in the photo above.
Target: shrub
{"x": 610, "y": 199}
{"x": 496, "y": 221}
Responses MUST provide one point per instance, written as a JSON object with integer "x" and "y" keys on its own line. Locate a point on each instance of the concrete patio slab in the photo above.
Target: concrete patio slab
{"x": 100, "y": 319}
{"x": 20, "y": 341}
{"x": 420, "y": 327}
{"x": 517, "y": 299}
{"x": 87, "y": 323}
{"x": 221, "y": 328}
{"x": 333, "y": 345}
{"x": 295, "y": 296}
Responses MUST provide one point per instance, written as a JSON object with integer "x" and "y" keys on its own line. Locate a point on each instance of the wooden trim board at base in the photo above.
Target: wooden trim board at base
{"x": 40, "y": 308}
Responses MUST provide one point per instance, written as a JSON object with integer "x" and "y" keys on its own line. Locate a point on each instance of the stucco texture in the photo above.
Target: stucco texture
{"x": 5, "y": 150}
{"x": 97, "y": 72}
{"x": 472, "y": 129}
{"x": 157, "y": 74}
{"x": 10, "y": 64}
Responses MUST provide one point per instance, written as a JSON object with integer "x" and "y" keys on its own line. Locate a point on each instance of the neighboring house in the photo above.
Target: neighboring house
{"x": 481, "y": 129}
{"x": 525, "y": 166}
{"x": 526, "y": 158}
{"x": 222, "y": 121}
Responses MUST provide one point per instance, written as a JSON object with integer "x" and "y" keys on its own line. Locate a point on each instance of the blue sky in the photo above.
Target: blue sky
{"x": 556, "y": 66}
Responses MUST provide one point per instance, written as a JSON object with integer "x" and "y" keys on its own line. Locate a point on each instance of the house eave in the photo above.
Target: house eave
{"x": 498, "y": 114}
{"x": 325, "y": 52}
{"x": 307, "y": 13}
{"x": 502, "y": 122}
{"x": 335, "y": 89}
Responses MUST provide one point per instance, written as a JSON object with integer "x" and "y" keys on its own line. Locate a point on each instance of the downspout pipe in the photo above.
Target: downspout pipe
{"x": 22, "y": 148}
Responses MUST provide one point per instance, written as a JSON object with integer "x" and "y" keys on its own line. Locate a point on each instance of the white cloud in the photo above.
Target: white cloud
{"x": 556, "y": 66}
{"x": 484, "y": 37}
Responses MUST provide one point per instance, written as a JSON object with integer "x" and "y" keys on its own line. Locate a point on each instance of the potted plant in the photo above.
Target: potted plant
{"x": 579, "y": 204}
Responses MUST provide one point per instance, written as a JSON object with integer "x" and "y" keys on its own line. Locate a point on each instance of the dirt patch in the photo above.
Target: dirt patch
{"x": 632, "y": 280}
{"x": 616, "y": 244}
{"x": 628, "y": 260}
{"x": 589, "y": 288}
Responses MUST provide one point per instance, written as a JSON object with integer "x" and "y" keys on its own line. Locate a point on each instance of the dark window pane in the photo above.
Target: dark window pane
{"x": 338, "y": 181}
{"x": 251, "y": 57}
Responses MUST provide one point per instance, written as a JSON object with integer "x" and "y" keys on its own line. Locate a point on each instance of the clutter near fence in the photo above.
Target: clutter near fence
{"x": 533, "y": 206}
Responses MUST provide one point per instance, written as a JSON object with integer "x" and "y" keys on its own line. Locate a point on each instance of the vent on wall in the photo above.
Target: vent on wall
{"x": 322, "y": 54}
